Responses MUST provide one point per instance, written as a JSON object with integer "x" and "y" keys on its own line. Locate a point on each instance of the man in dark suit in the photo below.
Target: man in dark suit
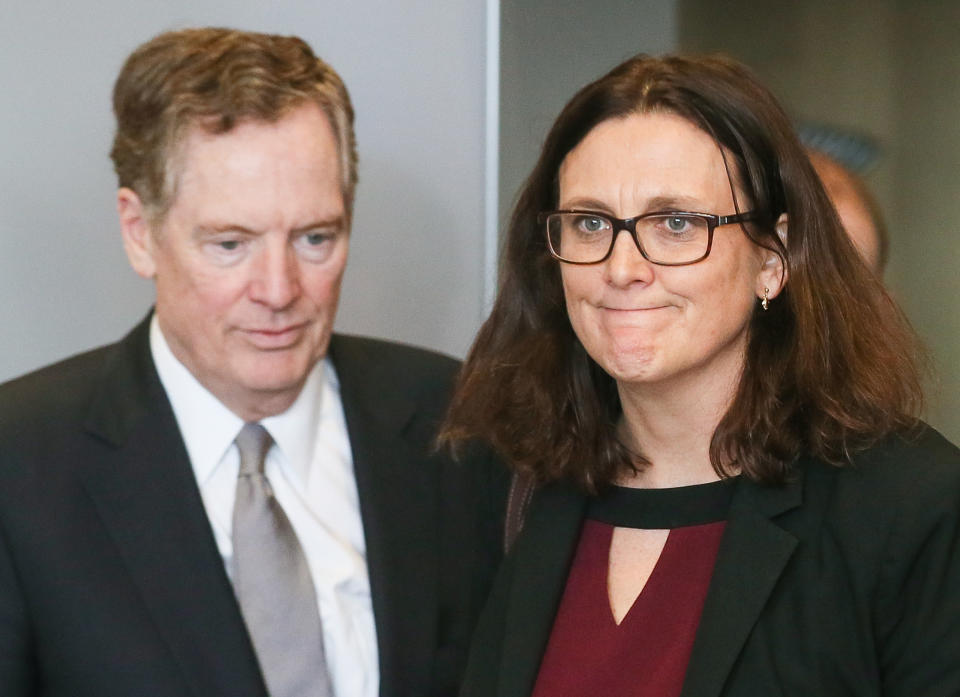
{"x": 232, "y": 500}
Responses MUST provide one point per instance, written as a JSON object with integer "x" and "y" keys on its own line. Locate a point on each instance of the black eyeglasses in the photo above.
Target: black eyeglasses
{"x": 670, "y": 238}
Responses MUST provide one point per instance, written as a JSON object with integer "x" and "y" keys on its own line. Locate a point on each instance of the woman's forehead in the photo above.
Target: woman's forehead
{"x": 650, "y": 155}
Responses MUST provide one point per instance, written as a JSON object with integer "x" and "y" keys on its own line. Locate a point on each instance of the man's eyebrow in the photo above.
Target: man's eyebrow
{"x": 337, "y": 221}
{"x": 216, "y": 228}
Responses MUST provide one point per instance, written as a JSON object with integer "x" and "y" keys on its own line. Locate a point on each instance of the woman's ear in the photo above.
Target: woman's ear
{"x": 773, "y": 271}
{"x": 137, "y": 236}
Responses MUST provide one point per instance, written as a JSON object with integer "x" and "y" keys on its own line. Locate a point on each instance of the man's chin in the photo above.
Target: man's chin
{"x": 265, "y": 379}
{"x": 274, "y": 382}
{"x": 262, "y": 396}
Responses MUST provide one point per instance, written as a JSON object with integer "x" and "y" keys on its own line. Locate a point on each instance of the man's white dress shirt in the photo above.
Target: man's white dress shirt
{"x": 310, "y": 468}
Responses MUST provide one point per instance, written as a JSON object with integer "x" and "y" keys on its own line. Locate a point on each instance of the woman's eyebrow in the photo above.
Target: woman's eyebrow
{"x": 657, "y": 203}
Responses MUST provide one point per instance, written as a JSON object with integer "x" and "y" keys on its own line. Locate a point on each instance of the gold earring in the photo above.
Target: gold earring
{"x": 765, "y": 303}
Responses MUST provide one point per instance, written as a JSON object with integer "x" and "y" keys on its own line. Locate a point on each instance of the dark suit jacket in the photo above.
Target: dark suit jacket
{"x": 110, "y": 580}
{"x": 844, "y": 582}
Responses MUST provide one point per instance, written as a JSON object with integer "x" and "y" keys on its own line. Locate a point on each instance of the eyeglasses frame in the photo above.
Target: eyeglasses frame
{"x": 630, "y": 225}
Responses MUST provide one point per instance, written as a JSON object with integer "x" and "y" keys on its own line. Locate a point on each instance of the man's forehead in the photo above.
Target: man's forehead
{"x": 278, "y": 153}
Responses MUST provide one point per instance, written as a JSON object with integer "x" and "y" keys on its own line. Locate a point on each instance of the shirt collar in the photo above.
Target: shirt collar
{"x": 295, "y": 430}
{"x": 208, "y": 427}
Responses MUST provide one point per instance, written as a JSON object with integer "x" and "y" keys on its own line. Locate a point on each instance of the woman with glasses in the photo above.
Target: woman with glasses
{"x": 714, "y": 403}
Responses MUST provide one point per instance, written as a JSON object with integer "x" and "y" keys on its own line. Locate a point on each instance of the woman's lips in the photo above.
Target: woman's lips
{"x": 633, "y": 309}
{"x": 633, "y": 316}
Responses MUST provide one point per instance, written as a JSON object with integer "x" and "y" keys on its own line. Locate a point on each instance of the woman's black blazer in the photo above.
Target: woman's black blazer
{"x": 845, "y": 581}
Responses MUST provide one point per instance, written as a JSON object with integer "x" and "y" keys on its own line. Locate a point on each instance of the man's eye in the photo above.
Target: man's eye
{"x": 317, "y": 245}
{"x": 317, "y": 238}
{"x": 229, "y": 245}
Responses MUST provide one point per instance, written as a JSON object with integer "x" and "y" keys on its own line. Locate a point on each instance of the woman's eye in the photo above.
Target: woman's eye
{"x": 229, "y": 245}
{"x": 591, "y": 224}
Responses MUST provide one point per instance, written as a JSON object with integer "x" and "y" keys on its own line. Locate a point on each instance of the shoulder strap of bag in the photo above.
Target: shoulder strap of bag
{"x": 518, "y": 500}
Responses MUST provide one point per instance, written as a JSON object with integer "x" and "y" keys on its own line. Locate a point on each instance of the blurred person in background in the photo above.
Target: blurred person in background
{"x": 858, "y": 209}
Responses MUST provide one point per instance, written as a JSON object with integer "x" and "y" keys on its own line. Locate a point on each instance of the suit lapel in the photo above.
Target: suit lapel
{"x": 546, "y": 546}
{"x": 753, "y": 554}
{"x": 148, "y": 500}
{"x": 399, "y": 491}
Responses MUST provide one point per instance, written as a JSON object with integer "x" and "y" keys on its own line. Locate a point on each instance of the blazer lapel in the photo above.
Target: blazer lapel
{"x": 399, "y": 506}
{"x": 753, "y": 553}
{"x": 148, "y": 500}
{"x": 546, "y": 545}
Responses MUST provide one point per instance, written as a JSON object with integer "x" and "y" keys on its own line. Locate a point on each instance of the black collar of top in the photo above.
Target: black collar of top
{"x": 663, "y": 509}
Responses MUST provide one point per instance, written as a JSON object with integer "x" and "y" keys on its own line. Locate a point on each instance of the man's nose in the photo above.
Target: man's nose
{"x": 276, "y": 276}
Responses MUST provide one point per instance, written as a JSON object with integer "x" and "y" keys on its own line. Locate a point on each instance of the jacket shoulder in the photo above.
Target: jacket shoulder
{"x": 393, "y": 365}
{"x": 54, "y": 391}
{"x": 891, "y": 522}
{"x": 920, "y": 466}
{"x": 888, "y": 514}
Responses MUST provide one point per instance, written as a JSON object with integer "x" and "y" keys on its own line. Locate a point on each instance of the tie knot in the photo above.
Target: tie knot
{"x": 253, "y": 442}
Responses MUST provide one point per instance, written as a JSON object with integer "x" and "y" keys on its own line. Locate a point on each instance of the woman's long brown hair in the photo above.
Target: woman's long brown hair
{"x": 832, "y": 367}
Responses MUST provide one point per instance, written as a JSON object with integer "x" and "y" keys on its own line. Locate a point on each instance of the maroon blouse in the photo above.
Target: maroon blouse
{"x": 646, "y": 655}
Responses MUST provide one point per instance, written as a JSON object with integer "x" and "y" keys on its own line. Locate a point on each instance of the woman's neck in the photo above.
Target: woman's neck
{"x": 672, "y": 425}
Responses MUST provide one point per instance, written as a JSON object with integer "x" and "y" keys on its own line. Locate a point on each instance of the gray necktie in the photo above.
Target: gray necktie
{"x": 272, "y": 581}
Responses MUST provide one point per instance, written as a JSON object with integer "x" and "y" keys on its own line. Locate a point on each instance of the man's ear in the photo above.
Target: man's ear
{"x": 138, "y": 239}
{"x": 773, "y": 273}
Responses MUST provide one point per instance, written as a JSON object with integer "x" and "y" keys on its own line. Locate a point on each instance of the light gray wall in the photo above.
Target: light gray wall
{"x": 416, "y": 75}
{"x": 551, "y": 48}
{"x": 926, "y": 198}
